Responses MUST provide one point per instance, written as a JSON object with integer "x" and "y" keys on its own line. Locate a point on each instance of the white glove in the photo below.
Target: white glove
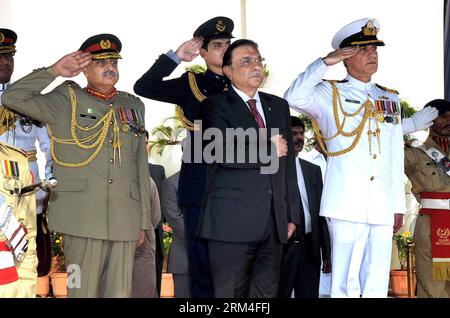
{"x": 420, "y": 120}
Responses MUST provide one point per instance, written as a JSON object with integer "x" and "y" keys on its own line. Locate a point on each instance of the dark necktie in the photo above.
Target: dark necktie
{"x": 252, "y": 104}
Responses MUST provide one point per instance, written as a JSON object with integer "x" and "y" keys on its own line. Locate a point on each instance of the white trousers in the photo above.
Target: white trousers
{"x": 361, "y": 259}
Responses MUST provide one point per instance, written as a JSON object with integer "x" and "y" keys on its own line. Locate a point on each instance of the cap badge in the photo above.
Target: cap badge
{"x": 220, "y": 26}
{"x": 369, "y": 28}
{"x": 105, "y": 44}
{"x": 2, "y": 37}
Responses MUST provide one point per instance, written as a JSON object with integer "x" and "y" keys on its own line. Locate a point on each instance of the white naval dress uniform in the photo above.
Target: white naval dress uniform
{"x": 25, "y": 138}
{"x": 362, "y": 189}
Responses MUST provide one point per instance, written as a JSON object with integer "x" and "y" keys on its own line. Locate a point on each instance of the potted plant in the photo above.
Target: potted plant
{"x": 399, "y": 277}
{"x": 58, "y": 275}
{"x": 167, "y": 287}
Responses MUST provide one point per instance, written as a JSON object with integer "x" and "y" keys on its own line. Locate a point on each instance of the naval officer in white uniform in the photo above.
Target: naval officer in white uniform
{"x": 360, "y": 124}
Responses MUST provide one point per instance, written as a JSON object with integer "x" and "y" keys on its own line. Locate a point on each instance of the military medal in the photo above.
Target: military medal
{"x": 131, "y": 119}
{"x": 11, "y": 175}
{"x": 387, "y": 111}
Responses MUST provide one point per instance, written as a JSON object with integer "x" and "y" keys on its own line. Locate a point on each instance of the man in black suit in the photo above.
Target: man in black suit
{"x": 210, "y": 41}
{"x": 248, "y": 212}
{"x": 301, "y": 256}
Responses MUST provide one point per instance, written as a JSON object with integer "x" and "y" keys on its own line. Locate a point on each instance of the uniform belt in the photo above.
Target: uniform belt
{"x": 438, "y": 204}
{"x": 32, "y": 155}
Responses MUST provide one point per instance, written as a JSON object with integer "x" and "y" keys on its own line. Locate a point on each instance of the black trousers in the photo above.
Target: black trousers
{"x": 201, "y": 284}
{"x": 299, "y": 271}
{"x": 247, "y": 270}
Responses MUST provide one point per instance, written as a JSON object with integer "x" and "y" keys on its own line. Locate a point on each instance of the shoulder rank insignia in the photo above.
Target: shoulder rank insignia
{"x": 391, "y": 91}
{"x": 71, "y": 83}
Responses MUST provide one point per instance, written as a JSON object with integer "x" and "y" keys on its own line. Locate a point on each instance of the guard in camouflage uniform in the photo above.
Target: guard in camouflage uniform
{"x": 428, "y": 167}
{"x": 102, "y": 200}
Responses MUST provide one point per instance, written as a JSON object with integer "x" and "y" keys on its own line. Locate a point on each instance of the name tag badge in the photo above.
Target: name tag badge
{"x": 352, "y": 101}
{"x": 88, "y": 116}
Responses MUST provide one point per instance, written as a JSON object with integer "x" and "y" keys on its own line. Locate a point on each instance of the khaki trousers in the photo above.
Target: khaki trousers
{"x": 98, "y": 268}
{"x": 426, "y": 286}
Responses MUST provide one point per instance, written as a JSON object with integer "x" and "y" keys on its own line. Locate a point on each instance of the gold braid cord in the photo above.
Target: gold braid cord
{"x": 357, "y": 132}
{"x": 198, "y": 95}
{"x": 7, "y": 120}
{"x": 97, "y": 137}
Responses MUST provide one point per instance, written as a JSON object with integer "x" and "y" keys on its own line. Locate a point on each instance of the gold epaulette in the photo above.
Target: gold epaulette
{"x": 194, "y": 87}
{"x": 391, "y": 91}
{"x": 335, "y": 81}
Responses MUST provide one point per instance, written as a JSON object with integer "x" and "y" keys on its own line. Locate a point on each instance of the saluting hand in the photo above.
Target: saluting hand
{"x": 72, "y": 64}
{"x": 189, "y": 49}
{"x": 339, "y": 55}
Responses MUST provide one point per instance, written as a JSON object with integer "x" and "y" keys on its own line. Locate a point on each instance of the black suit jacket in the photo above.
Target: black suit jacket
{"x": 238, "y": 198}
{"x": 312, "y": 176}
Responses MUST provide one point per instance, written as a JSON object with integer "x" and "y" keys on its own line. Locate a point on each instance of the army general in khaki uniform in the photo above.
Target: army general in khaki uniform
{"x": 102, "y": 200}
{"x": 428, "y": 168}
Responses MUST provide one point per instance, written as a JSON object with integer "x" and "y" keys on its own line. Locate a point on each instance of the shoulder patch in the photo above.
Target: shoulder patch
{"x": 391, "y": 91}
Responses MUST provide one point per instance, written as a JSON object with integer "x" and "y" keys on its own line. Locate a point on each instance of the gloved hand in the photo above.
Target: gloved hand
{"x": 420, "y": 120}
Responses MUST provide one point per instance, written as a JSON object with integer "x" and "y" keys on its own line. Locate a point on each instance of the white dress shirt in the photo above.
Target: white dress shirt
{"x": 304, "y": 196}
{"x": 360, "y": 186}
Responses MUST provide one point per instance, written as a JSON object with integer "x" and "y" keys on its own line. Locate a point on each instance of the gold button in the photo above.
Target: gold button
{"x": 110, "y": 141}
{"x": 110, "y": 181}
{"x": 136, "y": 135}
{"x": 374, "y": 156}
{"x": 111, "y": 160}
{"x": 86, "y": 126}
{"x": 371, "y": 178}
{"x": 111, "y": 122}
{"x": 111, "y": 105}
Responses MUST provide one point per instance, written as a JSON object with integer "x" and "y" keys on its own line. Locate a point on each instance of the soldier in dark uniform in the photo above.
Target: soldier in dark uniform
{"x": 211, "y": 39}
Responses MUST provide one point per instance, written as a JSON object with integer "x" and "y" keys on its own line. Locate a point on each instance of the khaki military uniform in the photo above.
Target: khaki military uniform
{"x": 24, "y": 210}
{"x": 425, "y": 176}
{"x": 102, "y": 205}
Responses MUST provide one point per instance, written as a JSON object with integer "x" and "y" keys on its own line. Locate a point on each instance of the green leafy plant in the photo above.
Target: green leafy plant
{"x": 167, "y": 238}
{"x": 170, "y": 132}
{"x": 196, "y": 68}
{"x": 403, "y": 241}
{"x": 407, "y": 109}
